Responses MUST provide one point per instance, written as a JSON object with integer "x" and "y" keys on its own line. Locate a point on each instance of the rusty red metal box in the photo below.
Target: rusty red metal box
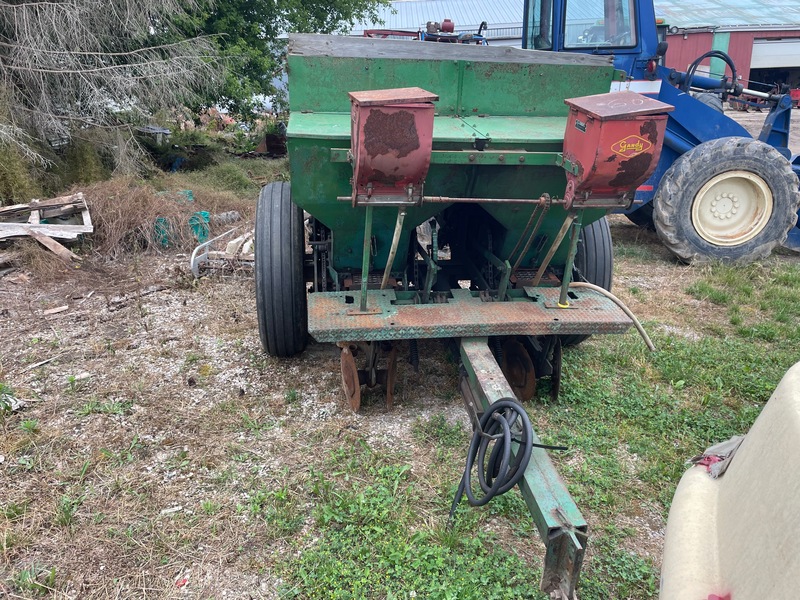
{"x": 391, "y": 142}
{"x": 614, "y": 140}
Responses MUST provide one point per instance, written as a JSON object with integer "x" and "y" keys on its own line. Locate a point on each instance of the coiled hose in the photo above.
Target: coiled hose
{"x": 499, "y": 474}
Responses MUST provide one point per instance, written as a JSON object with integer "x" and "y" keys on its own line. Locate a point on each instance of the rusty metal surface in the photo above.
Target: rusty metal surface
{"x": 391, "y": 148}
{"x": 350, "y": 381}
{"x": 615, "y": 143}
{"x": 518, "y": 369}
{"x": 463, "y": 315}
{"x": 390, "y": 132}
{"x": 392, "y": 96}
{"x": 618, "y": 105}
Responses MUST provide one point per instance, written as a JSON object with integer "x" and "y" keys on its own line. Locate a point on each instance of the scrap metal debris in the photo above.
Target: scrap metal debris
{"x": 235, "y": 254}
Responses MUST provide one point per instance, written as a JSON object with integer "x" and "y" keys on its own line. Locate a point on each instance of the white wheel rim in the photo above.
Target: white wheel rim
{"x": 732, "y": 208}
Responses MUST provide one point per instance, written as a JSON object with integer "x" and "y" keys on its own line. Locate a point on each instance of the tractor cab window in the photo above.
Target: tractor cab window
{"x": 599, "y": 24}
{"x": 538, "y": 26}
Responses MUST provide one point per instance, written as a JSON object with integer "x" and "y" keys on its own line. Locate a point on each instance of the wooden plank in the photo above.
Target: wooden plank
{"x": 63, "y": 232}
{"x": 61, "y": 201}
{"x": 393, "y": 96}
{"x": 67, "y": 209}
{"x": 14, "y": 209}
{"x": 311, "y": 44}
{"x": 53, "y": 246}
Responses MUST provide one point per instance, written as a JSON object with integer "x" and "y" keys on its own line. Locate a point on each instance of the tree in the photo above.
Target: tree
{"x": 249, "y": 34}
{"x": 70, "y": 64}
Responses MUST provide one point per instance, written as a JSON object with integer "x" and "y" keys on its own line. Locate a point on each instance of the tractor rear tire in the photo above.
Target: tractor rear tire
{"x": 594, "y": 263}
{"x": 732, "y": 200}
{"x": 280, "y": 288}
{"x": 711, "y": 99}
{"x": 643, "y": 217}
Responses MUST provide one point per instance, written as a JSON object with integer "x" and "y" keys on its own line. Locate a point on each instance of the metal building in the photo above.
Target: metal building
{"x": 762, "y": 38}
{"x": 503, "y": 17}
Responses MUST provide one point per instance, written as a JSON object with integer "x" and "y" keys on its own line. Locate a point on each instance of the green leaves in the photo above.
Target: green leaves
{"x": 250, "y": 38}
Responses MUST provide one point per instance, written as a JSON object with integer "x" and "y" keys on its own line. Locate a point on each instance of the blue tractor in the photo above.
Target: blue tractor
{"x": 717, "y": 193}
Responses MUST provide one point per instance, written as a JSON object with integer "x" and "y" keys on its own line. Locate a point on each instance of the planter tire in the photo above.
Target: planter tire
{"x": 594, "y": 263}
{"x": 280, "y": 288}
{"x": 731, "y": 200}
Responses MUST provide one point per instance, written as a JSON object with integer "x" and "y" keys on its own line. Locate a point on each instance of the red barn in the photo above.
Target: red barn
{"x": 762, "y": 38}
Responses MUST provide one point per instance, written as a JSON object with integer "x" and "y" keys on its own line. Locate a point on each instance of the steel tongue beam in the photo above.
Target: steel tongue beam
{"x": 561, "y": 526}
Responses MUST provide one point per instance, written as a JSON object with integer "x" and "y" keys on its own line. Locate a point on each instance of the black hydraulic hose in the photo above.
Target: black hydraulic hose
{"x": 499, "y": 474}
{"x": 710, "y": 54}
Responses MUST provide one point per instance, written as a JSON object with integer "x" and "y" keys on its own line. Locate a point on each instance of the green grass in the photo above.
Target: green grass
{"x": 107, "y": 407}
{"x": 30, "y": 426}
{"x": 254, "y": 424}
{"x": 35, "y": 580}
{"x": 438, "y": 431}
{"x": 126, "y": 455}
{"x": 209, "y": 507}
{"x": 6, "y": 396}
{"x": 359, "y": 515}
{"x": 761, "y": 301}
{"x": 66, "y": 510}
{"x": 278, "y": 508}
{"x": 370, "y": 541}
{"x": 616, "y": 572}
{"x": 14, "y": 510}
{"x": 635, "y": 251}
{"x": 630, "y": 419}
{"x": 229, "y": 175}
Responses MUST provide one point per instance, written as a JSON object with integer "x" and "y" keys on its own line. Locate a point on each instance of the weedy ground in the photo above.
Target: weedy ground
{"x": 161, "y": 454}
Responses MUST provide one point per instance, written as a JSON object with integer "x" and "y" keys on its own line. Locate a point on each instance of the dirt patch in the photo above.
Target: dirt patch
{"x": 753, "y": 121}
{"x": 653, "y": 283}
{"x": 158, "y": 415}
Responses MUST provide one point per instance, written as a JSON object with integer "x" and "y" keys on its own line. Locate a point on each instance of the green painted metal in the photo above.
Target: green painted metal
{"x": 486, "y": 157}
{"x": 568, "y": 165}
{"x": 561, "y": 526}
{"x": 497, "y": 133}
{"x": 720, "y": 41}
{"x": 543, "y": 132}
{"x": 464, "y": 87}
{"x": 365, "y": 255}
{"x": 563, "y": 299}
{"x": 510, "y": 108}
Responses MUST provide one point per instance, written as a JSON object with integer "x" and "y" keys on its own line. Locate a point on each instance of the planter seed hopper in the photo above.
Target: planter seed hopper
{"x": 454, "y": 192}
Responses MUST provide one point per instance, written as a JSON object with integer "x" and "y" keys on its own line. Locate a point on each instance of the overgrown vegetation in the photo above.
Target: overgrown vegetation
{"x": 131, "y": 215}
{"x": 70, "y": 70}
{"x": 73, "y": 91}
{"x": 17, "y": 180}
